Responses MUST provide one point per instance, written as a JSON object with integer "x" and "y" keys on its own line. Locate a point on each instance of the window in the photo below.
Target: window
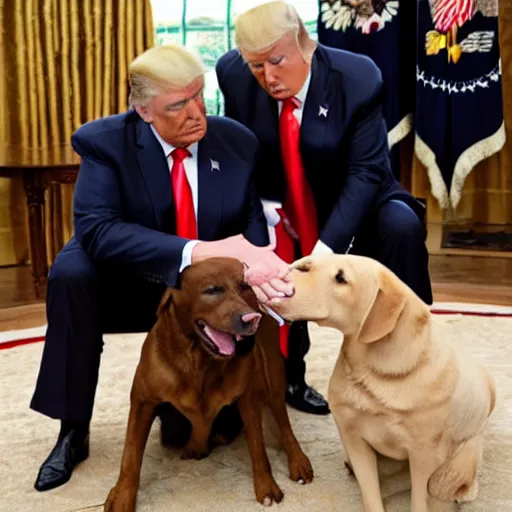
{"x": 206, "y": 27}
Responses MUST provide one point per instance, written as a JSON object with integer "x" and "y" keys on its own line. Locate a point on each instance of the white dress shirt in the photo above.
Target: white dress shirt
{"x": 269, "y": 207}
{"x": 191, "y": 169}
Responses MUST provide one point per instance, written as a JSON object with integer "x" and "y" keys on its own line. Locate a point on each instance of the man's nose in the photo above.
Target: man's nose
{"x": 194, "y": 108}
{"x": 270, "y": 76}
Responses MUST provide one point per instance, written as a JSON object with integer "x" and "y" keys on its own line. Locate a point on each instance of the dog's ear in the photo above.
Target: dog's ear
{"x": 170, "y": 294}
{"x": 384, "y": 311}
{"x": 165, "y": 301}
{"x": 303, "y": 264}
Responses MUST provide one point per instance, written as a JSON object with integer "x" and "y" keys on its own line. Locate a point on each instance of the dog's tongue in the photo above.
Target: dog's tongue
{"x": 222, "y": 340}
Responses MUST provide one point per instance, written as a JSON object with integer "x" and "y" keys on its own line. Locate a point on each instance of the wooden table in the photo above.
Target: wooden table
{"x": 38, "y": 168}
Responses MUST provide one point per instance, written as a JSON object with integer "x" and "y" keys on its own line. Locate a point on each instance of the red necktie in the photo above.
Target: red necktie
{"x": 186, "y": 226}
{"x": 299, "y": 204}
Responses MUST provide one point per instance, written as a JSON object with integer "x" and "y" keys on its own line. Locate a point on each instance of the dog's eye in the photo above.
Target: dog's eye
{"x": 340, "y": 277}
{"x": 303, "y": 267}
{"x": 244, "y": 287}
{"x": 214, "y": 290}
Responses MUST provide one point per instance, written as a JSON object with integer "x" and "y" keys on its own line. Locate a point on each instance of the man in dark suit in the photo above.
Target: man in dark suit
{"x": 159, "y": 187}
{"x": 324, "y": 173}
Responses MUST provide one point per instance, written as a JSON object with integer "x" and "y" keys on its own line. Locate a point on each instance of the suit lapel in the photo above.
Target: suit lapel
{"x": 210, "y": 185}
{"x": 315, "y": 117}
{"x": 155, "y": 171}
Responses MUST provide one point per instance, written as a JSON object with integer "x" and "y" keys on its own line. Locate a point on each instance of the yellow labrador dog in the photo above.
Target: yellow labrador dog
{"x": 399, "y": 387}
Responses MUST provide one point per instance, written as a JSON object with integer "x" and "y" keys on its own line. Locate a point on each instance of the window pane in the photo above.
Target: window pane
{"x": 206, "y": 36}
{"x": 201, "y": 26}
{"x": 167, "y": 19}
{"x": 205, "y": 30}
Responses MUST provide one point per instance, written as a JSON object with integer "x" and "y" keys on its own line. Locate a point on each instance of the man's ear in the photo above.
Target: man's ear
{"x": 384, "y": 311}
{"x": 143, "y": 112}
{"x": 165, "y": 301}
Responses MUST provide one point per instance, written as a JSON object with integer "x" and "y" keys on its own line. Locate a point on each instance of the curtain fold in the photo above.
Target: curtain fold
{"x": 64, "y": 62}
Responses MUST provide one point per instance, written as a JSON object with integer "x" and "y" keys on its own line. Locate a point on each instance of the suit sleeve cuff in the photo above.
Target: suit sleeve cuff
{"x": 321, "y": 248}
{"x": 186, "y": 255}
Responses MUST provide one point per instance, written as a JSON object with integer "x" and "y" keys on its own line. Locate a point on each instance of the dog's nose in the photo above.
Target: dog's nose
{"x": 250, "y": 322}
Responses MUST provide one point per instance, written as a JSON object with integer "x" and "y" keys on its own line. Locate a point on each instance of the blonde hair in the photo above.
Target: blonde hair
{"x": 260, "y": 27}
{"x": 160, "y": 68}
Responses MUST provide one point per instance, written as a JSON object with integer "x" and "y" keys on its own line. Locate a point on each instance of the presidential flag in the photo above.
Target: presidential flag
{"x": 459, "y": 113}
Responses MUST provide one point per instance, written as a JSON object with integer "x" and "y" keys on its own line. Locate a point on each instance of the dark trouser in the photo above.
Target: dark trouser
{"x": 395, "y": 236}
{"x": 84, "y": 301}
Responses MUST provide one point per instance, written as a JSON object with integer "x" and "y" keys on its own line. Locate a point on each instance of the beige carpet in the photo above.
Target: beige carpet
{"x": 223, "y": 482}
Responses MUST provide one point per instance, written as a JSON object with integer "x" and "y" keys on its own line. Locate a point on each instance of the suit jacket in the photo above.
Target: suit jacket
{"x": 343, "y": 142}
{"x": 123, "y": 206}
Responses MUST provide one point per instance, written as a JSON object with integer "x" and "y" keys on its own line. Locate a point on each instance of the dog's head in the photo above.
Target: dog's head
{"x": 355, "y": 294}
{"x": 215, "y": 306}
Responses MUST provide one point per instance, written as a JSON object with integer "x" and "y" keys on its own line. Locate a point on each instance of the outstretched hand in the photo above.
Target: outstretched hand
{"x": 269, "y": 277}
{"x": 266, "y": 272}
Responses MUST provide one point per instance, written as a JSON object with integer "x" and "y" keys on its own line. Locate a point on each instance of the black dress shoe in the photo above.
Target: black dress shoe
{"x": 57, "y": 469}
{"x": 306, "y": 399}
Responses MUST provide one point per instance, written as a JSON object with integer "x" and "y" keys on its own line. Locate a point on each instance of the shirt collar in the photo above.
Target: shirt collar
{"x": 168, "y": 148}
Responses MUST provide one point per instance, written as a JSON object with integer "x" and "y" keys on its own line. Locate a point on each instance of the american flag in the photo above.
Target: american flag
{"x": 448, "y": 14}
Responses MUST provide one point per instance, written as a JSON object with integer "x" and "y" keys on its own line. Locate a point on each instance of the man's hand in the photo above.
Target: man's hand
{"x": 266, "y": 272}
{"x": 266, "y": 284}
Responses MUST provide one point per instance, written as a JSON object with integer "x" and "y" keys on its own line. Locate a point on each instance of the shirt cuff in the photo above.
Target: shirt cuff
{"x": 186, "y": 255}
{"x": 269, "y": 210}
{"x": 321, "y": 248}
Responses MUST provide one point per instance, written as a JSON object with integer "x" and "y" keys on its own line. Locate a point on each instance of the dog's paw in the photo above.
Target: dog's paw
{"x": 195, "y": 452}
{"x": 267, "y": 491}
{"x": 301, "y": 470}
{"x": 120, "y": 501}
{"x": 467, "y": 493}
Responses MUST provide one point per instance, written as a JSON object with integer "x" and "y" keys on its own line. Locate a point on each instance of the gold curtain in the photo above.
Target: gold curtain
{"x": 487, "y": 194}
{"x": 63, "y": 62}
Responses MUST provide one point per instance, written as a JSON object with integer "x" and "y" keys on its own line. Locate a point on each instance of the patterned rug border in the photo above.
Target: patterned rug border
{"x": 18, "y": 337}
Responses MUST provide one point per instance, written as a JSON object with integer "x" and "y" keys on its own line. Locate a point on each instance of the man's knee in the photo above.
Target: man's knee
{"x": 72, "y": 267}
{"x": 398, "y": 221}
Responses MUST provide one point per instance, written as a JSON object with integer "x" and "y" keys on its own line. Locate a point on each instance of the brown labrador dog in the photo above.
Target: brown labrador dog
{"x": 189, "y": 359}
